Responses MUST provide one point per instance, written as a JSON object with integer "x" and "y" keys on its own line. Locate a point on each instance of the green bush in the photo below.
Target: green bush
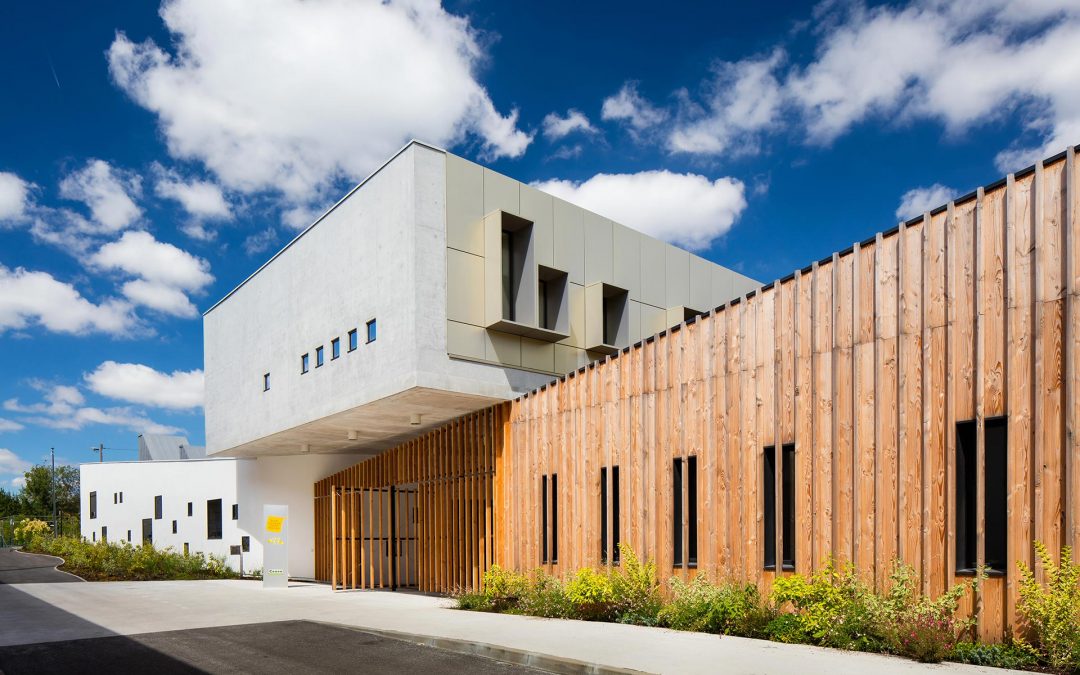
{"x": 504, "y": 588}
{"x": 590, "y": 594}
{"x": 918, "y": 626}
{"x": 1017, "y": 654}
{"x": 833, "y": 608}
{"x": 546, "y": 597}
{"x": 105, "y": 561}
{"x": 28, "y": 528}
{"x": 635, "y": 589}
{"x": 734, "y": 609}
{"x": 1051, "y": 610}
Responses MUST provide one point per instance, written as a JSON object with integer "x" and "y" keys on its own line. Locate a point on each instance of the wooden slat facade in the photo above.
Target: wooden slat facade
{"x": 865, "y": 361}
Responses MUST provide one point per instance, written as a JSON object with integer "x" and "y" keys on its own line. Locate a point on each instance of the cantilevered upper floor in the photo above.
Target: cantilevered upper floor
{"x": 434, "y": 288}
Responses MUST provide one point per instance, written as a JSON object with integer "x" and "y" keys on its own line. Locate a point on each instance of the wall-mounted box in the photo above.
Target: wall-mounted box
{"x": 607, "y": 318}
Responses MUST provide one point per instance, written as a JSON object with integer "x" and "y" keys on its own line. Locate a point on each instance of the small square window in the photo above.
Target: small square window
{"x": 266, "y": 382}
{"x": 304, "y": 364}
{"x": 335, "y": 348}
{"x": 352, "y": 339}
{"x": 371, "y": 330}
{"x": 319, "y": 359}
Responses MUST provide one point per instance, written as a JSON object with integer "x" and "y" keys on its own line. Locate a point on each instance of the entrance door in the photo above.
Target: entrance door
{"x": 406, "y": 560}
{"x": 375, "y": 537}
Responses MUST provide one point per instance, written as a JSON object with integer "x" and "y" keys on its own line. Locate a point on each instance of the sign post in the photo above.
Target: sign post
{"x": 275, "y": 546}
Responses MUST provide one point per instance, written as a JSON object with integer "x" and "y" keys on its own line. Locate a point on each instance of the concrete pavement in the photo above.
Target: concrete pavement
{"x": 279, "y": 647}
{"x": 17, "y": 567}
{"x": 31, "y": 613}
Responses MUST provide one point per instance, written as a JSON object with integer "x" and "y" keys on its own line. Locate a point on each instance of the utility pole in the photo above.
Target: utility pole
{"x": 100, "y": 450}
{"x": 56, "y": 523}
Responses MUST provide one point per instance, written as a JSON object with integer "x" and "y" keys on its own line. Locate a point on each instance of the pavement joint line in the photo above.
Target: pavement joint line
{"x": 55, "y": 567}
{"x": 521, "y": 657}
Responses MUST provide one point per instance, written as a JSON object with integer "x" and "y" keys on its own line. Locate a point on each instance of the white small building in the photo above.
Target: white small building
{"x": 206, "y": 505}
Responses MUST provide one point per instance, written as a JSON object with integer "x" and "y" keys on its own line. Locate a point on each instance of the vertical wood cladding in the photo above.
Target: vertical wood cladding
{"x": 866, "y": 362}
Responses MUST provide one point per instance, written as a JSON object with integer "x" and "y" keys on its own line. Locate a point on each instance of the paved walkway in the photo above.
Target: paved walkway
{"x": 17, "y": 567}
{"x": 32, "y": 613}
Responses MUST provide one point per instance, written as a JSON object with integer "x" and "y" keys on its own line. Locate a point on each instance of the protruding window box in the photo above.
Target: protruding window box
{"x": 607, "y": 318}
{"x": 521, "y": 297}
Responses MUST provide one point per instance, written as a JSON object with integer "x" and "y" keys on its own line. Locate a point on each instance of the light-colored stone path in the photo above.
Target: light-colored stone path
{"x": 32, "y": 613}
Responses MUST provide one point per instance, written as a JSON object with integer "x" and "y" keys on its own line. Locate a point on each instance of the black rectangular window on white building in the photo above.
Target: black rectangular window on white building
{"x": 549, "y": 519}
{"x": 213, "y": 519}
{"x": 148, "y": 531}
{"x": 93, "y": 505}
{"x": 993, "y": 491}
{"x": 157, "y": 507}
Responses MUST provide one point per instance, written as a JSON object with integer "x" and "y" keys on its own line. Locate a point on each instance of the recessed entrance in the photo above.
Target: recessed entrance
{"x": 375, "y": 543}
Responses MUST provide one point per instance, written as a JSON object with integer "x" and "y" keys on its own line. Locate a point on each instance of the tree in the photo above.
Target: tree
{"x": 10, "y": 505}
{"x": 37, "y": 495}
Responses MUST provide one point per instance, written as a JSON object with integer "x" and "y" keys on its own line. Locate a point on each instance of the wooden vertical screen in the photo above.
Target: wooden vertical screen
{"x": 436, "y": 531}
{"x": 866, "y": 362}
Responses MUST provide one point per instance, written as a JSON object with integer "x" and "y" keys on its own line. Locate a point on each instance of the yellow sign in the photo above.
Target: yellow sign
{"x": 274, "y": 523}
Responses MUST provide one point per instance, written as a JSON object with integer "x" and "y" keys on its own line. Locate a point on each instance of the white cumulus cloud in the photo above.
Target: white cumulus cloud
{"x": 166, "y": 274}
{"x": 203, "y": 200}
{"x": 288, "y": 95}
{"x": 557, "y": 126}
{"x": 14, "y": 196}
{"x": 9, "y": 425}
{"x": 141, "y": 384}
{"x": 11, "y": 463}
{"x": 685, "y": 209}
{"x": 64, "y": 407}
{"x": 108, "y": 192}
{"x": 630, "y": 107}
{"x": 28, "y": 297}
{"x": 918, "y": 201}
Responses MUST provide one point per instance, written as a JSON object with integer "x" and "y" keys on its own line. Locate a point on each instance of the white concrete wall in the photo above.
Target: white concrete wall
{"x": 250, "y": 483}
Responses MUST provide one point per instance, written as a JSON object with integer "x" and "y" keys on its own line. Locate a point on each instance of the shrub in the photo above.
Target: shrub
{"x": 833, "y": 608}
{"x": 635, "y": 589}
{"x": 1016, "y": 654}
{"x": 474, "y": 601}
{"x": 590, "y": 594}
{"x": 504, "y": 588}
{"x": 918, "y": 626}
{"x": 735, "y": 609}
{"x": 104, "y": 561}
{"x": 546, "y": 597}
{"x": 926, "y": 638}
{"x": 1051, "y": 610}
{"x": 28, "y": 528}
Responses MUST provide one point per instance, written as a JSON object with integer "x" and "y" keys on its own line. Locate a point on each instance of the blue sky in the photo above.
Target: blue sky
{"x": 153, "y": 156}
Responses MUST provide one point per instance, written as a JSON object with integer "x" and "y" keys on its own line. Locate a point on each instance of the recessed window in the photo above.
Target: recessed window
{"x": 994, "y": 489}
{"x": 93, "y": 505}
{"x": 105, "y": 533}
{"x": 187, "y": 549}
{"x": 266, "y": 381}
{"x": 157, "y": 507}
{"x": 305, "y": 364}
{"x": 174, "y": 527}
{"x": 613, "y": 552}
{"x": 190, "y": 508}
{"x": 114, "y": 497}
{"x": 129, "y": 536}
{"x": 353, "y": 340}
{"x": 319, "y": 358}
{"x": 121, "y": 497}
{"x": 769, "y": 495}
{"x": 684, "y": 477}
{"x": 93, "y": 536}
{"x": 335, "y": 348}
{"x": 245, "y": 544}
{"x": 371, "y": 331}
{"x": 236, "y": 512}
{"x": 148, "y": 531}
{"x": 213, "y": 519}
{"x": 549, "y": 519}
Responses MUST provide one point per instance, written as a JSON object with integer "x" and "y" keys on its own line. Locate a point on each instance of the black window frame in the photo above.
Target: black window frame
{"x": 616, "y": 558}
{"x": 995, "y": 494}
{"x": 787, "y": 520}
{"x": 148, "y": 531}
{"x": 214, "y": 531}
{"x": 190, "y": 509}
{"x": 105, "y": 533}
{"x": 371, "y": 330}
{"x": 554, "y": 519}
{"x": 157, "y": 507}
{"x": 245, "y": 544}
{"x": 768, "y": 493}
{"x": 354, "y": 340}
{"x": 305, "y": 363}
{"x": 93, "y": 505}
{"x": 174, "y": 527}
{"x": 676, "y": 511}
{"x": 335, "y": 348}
{"x": 320, "y": 356}
{"x": 544, "y": 560}
{"x": 266, "y": 381}
{"x": 236, "y": 512}
{"x": 603, "y": 515}
{"x": 692, "y": 511}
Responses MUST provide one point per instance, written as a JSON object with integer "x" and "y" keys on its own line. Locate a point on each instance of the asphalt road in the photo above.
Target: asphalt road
{"x": 279, "y": 647}
{"x": 31, "y": 568}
